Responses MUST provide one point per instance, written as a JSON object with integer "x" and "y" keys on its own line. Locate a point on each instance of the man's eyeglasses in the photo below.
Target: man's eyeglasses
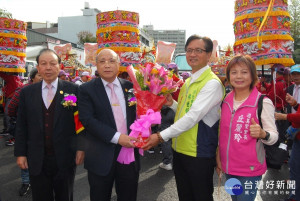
{"x": 112, "y": 61}
{"x": 197, "y": 51}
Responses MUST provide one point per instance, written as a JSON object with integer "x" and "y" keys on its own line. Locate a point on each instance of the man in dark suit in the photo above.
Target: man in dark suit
{"x": 46, "y": 140}
{"x": 294, "y": 164}
{"x": 107, "y": 123}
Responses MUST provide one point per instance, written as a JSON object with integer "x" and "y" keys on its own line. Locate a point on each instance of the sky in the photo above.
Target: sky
{"x": 212, "y": 18}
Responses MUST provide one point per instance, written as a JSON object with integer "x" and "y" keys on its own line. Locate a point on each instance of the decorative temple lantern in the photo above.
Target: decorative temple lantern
{"x": 118, "y": 30}
{"x": 262, "y": 30}
{"x": 13, "y": 44}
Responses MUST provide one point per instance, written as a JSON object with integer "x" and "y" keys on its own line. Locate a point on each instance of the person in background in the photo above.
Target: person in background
{"x": 227, "y": 86}
{"x": 240, "y": 133}
{"x": 195, "y": 131}
{"x": 185, "y": 75}
{"x": 293, "y": 133}
{"x": 262, "y": 86}
{"x": 63, "y": 75}
{"x": 293, "y": 116}
{"x": 34, "y": 77}
{"x": 84, "y": 77}
{"x": 22, "y": 79}
{"x": 76, "y": 79}
{"x": 277, "y": 91}
{"x": 287, "y": 76}
{"x": 277, "y": 94}
{"x": 173, "y": 67}
{"x": 167, "y": 119}
{"x": 96, "y": 73}
{"x": 47, "y": 141}
{"x": 12, "y": 82}
{"x": 124, "y": 75}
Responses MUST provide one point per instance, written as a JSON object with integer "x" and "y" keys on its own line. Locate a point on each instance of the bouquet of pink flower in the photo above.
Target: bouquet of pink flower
{"x": 151, "y": 83}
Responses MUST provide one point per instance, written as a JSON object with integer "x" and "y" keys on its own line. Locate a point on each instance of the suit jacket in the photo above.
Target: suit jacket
{"x": 30, "y": 129}
{"x": 290, "y": 90}
{"x": 97, "y": 117}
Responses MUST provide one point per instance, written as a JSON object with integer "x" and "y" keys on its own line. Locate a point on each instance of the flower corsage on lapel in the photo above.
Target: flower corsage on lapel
{"x": 69, "y": 100}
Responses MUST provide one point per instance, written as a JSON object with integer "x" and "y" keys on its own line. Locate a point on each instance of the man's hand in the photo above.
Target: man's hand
{"x": 126, "y": 141}
{"x": 290, "y": 100}
{"x": 169, "y": 99}
{"x": 79, "y": 157}
{"x": 256, "y": 131}
{"x": 280, "y": 116}
{"x": 152, "y": 141}
{"x": 22, "y": 162}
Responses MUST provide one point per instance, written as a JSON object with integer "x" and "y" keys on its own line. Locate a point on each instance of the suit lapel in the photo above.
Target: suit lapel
{"x": 103, "y": 99}
{"x": 58, "y": 98}
{"x": 38, "y": 100}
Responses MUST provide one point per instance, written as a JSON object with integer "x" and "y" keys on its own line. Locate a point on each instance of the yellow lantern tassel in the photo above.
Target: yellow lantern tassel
{"x": 259, "y": 39}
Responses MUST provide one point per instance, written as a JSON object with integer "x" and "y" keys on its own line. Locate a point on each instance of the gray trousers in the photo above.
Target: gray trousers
{"x": 167, "y": 152}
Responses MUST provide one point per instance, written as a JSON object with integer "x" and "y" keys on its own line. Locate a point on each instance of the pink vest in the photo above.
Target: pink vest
{"x": 240, "y": 154}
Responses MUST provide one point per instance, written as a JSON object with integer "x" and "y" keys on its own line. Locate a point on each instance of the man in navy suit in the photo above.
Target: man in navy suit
{"x": 46, "y": 140}
{"x": 97, "y": 112}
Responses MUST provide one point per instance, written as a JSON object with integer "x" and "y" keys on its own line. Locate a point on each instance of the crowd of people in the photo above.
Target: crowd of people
{"x": 61, "y": 123}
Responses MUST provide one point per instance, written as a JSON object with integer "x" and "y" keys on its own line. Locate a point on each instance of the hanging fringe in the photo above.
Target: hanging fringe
{"x": 259, "y": 39}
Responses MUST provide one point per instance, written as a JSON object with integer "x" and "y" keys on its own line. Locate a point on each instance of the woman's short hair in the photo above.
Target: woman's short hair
{"x": 243, "y": 60}
{"x": 33, "y": 73}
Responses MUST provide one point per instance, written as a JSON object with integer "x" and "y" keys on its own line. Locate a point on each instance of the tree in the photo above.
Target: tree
{"x": 86, "y": 37}
{"x": 5, "y": 13}
{"x": 294, "y": 10}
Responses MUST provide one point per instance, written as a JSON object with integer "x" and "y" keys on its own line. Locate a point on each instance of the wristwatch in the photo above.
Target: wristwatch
{"x": 267, "y": 136}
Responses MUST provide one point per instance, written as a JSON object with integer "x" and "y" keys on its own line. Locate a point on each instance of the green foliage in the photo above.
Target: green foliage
{"x": 296, "y": 56}
{"x": 86, "y": 37}
{"x": 140, "y": 80}
{"x": 5, "y": 13}
{"x": 294, "y": 10}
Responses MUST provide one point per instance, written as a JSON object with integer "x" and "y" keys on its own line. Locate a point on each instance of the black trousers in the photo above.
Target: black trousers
{"x": 194, "y": 177}
{"x": 126, "y": 183}
{"x": 53, "y": 184}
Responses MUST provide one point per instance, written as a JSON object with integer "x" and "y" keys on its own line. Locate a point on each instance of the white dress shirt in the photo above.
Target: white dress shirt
{"x": 79, "y": 82}
{"x": 206, "y": 107}
{"x": 45, "y": 90}
{"x": 294, "y": 95}
{"x": 298, "y": 97}
{"x": 119, "y": 92}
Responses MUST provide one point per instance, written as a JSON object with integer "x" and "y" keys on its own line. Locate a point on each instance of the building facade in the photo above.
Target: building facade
{"x": 69, "y": 27}
{"x": 173, "y": 36}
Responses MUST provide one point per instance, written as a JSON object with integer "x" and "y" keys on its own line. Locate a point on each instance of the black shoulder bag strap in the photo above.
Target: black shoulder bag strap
{"x": 259, "y": 108}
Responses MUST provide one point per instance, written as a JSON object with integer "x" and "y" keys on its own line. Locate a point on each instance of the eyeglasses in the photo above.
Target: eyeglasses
{"x": 197, "y": 51}
{"x": 111, "y": 61}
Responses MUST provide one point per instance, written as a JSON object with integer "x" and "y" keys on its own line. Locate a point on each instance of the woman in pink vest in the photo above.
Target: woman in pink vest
{"x": 241, "y": 153}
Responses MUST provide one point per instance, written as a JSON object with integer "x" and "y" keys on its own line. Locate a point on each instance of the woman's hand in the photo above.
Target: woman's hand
{"x": 256, "y": 131}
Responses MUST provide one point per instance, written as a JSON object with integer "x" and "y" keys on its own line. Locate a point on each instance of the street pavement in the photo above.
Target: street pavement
{"x": 155, "y": 184}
